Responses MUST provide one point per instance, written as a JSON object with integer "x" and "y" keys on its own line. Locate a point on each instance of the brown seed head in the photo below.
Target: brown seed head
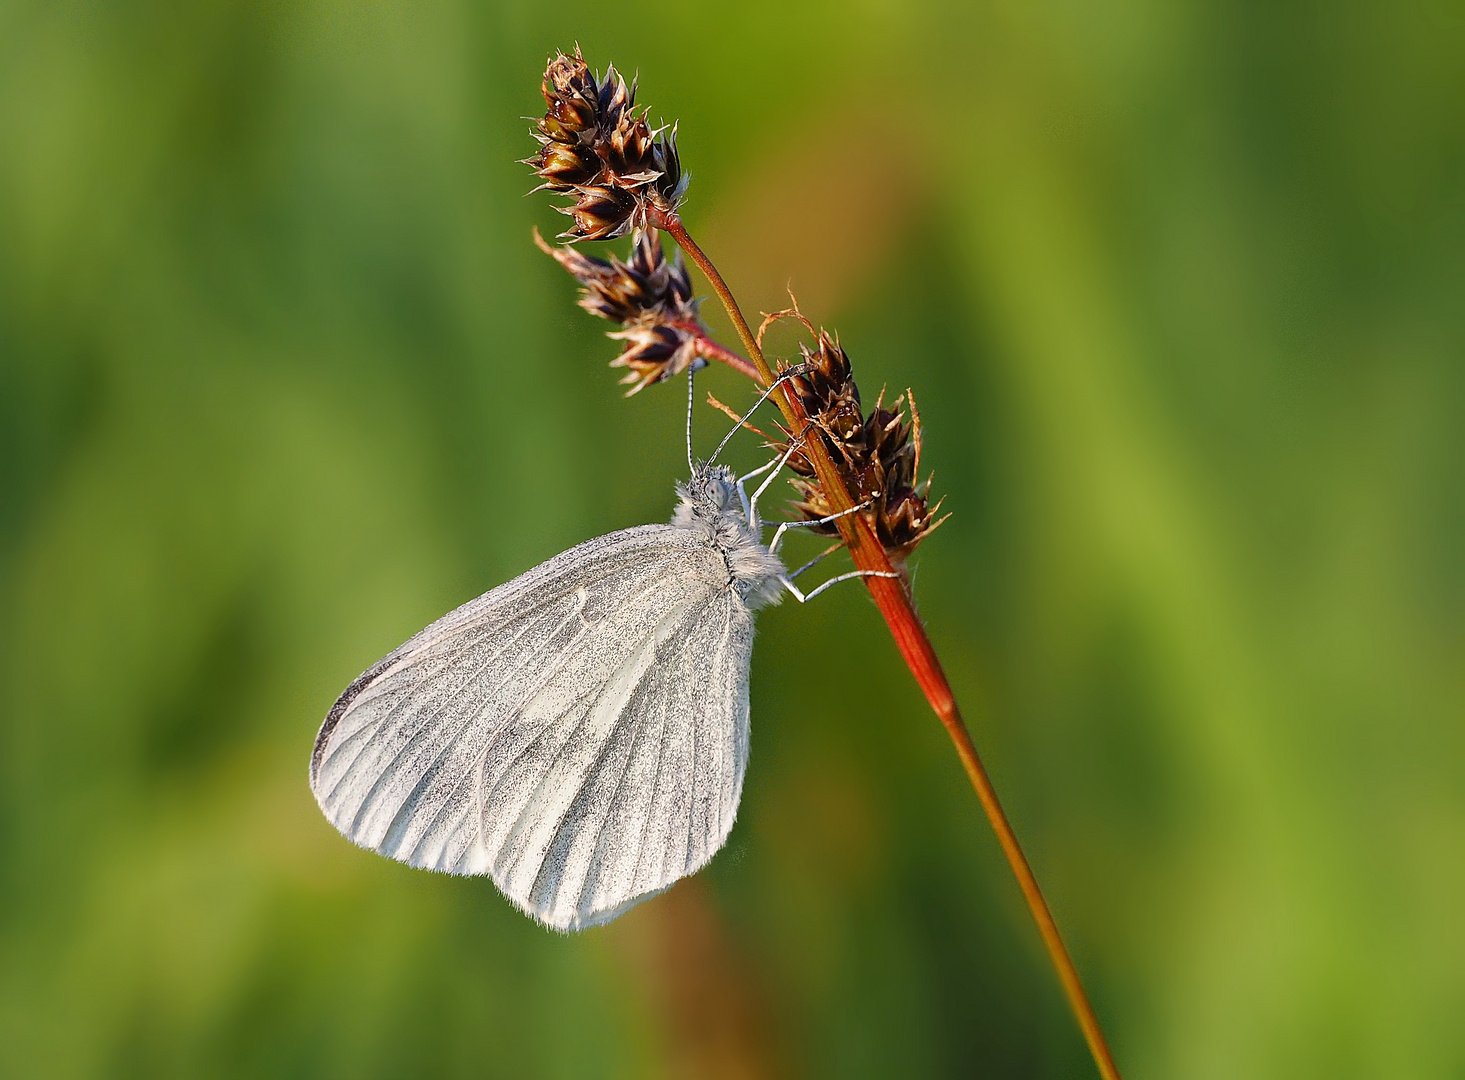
{"x": 877, "y": 456}
{"x": 650, "y": 297}
{"x": 596, "y": 145}
{"x": 656, "y": 352}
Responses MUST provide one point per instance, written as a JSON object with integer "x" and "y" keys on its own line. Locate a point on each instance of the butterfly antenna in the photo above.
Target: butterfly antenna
{"x": 691, "y": 373}
{"x": 792, "y": 373}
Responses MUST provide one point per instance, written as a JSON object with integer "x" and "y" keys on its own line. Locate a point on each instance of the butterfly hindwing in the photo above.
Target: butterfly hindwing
{"x": 580, "y": 732}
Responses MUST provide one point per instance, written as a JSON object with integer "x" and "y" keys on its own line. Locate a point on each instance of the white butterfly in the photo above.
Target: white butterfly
{"x": 579, "y": 733}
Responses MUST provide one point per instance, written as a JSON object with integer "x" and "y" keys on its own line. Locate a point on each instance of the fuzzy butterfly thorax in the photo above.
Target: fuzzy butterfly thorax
{"x": 711, "y": 507}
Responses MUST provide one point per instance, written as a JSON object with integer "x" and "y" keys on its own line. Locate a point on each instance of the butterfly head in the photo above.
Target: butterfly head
{"x": 713, "y": 488}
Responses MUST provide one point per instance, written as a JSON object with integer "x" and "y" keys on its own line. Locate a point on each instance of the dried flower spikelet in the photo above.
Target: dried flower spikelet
{"x": 878, "y": 456}
{"x": 650, "y": 297}
{"x": 595, "y": 144}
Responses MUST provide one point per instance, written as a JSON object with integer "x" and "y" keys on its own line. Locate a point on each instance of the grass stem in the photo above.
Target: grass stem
{"x": 894, "y": 602}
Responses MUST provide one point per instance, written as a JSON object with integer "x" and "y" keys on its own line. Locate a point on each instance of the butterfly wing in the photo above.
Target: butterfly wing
{"x": 579, "y": 733}
{"x": 643, "y": 779}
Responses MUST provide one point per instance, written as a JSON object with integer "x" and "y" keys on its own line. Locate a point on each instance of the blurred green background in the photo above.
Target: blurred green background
{"x": 1181, "y": 292}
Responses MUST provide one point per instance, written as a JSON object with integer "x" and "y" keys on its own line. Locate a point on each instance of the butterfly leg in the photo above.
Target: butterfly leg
{"x": 817, "y": 559}
{"x": 752, "y": 507}
{"x": 743, "y": 491}
{"x": 804, "y": 598}
{"x": 778, "y": 533}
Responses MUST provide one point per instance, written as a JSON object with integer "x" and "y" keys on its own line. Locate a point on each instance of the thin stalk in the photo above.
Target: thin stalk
{"x": 711, "y": 350}
{"x": 894, "y": 602}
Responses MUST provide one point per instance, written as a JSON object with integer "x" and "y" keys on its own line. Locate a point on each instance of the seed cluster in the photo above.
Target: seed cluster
{"x": 650, "y": 297}
{"x": 878, "y": 456}
{"x": 595, "y": 144}
{"x": 625, "y": 177}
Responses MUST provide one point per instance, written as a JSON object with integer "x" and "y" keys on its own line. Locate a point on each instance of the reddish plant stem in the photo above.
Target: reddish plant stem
{"x": 915, "y": 646}
{"x": 711, "y": 350}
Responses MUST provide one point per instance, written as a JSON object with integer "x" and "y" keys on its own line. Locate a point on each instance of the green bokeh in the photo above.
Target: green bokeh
{"x": 282, "y": 378}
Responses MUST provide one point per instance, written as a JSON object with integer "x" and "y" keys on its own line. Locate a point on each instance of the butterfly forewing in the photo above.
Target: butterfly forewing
{"x": 580, "y": 732}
